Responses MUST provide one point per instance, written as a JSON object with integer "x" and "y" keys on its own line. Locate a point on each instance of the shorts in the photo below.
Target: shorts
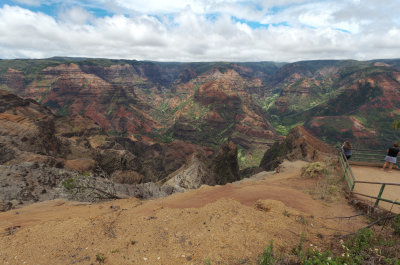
{"x": 391, "y": 159}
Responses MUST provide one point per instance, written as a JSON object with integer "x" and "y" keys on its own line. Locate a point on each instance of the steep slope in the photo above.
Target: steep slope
{"x": 45, "y": 156}
{"x": 199, "y": 103}
{"x": 219, "y": 108}
{"x": 210, "y": 103}
{"x": 357, "y": 101}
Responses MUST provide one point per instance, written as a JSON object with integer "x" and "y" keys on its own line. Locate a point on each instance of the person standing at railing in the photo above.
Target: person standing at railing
{"x": 391, "y": 157}
{"x": 347, "y": 149}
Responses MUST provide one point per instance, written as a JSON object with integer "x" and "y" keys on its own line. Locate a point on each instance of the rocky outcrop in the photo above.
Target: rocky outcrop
{"x": 298, "y": 145}
{"x": 192, "y": 175}
{"x": 6, "y": 154}
{"x": 45, "y": 156}
{"x": 26, "y": 126}
{"x": 225, "y": 164}
{"x": 220, "y": 168}
{"x": 29, "y": 182}
{"x": 146, "y": 190}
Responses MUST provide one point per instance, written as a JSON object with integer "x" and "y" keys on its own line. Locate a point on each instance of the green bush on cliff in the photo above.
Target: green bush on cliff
{"x": 69, "y": 184}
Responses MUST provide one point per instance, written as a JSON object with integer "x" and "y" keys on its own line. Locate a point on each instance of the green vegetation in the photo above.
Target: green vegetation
{"x": 28, "y": 67}
{"x": 76, "y": 129}
{"x": 100, "y": 62}
{"x": 365, "y": 247}
{"x": 63, "y": 111}
{"x": 396, "y": 125}
{"x": 267, "y": 102}
{"x": 5, "y": 87}
{"x": 328, "y": 183}
{"x": 164, "y": 106}
{"x": 249, "y": 157}
{"x": 314, "y": 170}
{"x": 201, "y": 68}
{"x": 363, "y": 70}
{"x": 100, "y": 258}
{"x": 207, "y": 262}
{"x": 267, "y": 257}
{"x": 396, "y": 225}
{"x": 281, "y": 128}
{"x": 69, "y": 184}
{"x": 166, "y": 137}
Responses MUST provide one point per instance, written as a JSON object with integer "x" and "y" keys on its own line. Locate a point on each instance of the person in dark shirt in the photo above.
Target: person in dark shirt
{"x": 391, "y": 157}
{"x": 347, "y": 149}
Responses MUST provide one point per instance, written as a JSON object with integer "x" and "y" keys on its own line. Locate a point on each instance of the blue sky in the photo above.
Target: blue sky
{"x": 201, "y": 30}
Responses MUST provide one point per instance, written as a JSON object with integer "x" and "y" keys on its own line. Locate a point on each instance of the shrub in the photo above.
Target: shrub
{"x": 314, "y": 170}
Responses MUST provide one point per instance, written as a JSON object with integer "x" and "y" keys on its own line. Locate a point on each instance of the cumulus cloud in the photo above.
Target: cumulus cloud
{"x": 75, "y": 15}
{"x": 206, "y": 30}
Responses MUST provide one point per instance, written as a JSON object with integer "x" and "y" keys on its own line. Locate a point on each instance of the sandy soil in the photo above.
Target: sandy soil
{"x": 376, "y": 174}
{"x": 224, "y": 225}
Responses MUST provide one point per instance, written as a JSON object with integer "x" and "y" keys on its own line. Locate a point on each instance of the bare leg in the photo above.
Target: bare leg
{"x": 390, "y": 166}
{"x": 385, "y": 165}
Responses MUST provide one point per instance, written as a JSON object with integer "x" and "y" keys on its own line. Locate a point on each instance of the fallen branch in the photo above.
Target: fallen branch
{"x": 344, "y": 217}
{"x": 374, "y": 223}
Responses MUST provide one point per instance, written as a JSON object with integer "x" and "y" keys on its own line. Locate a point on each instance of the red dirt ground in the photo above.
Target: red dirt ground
{"x": 224, "y": 225}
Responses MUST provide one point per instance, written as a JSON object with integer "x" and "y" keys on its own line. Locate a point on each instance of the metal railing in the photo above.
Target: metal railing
{"x": 348, "y": 174}
{"x": 370, "y": 156}
{"x": 364, "y": 155}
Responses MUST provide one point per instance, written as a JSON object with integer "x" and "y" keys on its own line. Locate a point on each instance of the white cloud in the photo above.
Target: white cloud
{"x": 28, "y": 2}
{"x": 75, "y": 15}
{"x": 183, "y": 31}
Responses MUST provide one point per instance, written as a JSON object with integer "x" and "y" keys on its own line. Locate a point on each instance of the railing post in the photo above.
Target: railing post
{"x": 380, "y": 195}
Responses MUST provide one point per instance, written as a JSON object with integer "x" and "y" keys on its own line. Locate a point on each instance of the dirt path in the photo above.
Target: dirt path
{"x": 225, "y": 225}
{"x": 378, "y": 175}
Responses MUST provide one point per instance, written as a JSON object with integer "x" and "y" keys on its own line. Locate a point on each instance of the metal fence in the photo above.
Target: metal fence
{"x": 369, "y": 156}
{"x": 348, "y": 174}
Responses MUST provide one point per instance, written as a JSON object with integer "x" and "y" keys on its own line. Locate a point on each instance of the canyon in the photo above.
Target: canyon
{"x": 123, "y": 128}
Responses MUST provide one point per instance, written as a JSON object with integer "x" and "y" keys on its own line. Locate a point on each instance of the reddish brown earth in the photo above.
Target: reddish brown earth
{"x": 223, "y": 225}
